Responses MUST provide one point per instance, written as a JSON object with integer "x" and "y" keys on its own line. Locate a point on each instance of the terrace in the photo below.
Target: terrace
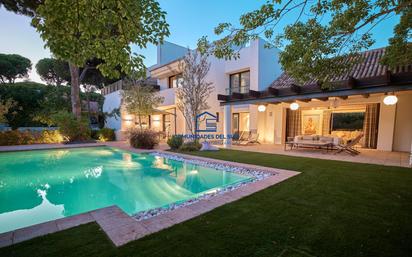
{"x": 369, "y": 156}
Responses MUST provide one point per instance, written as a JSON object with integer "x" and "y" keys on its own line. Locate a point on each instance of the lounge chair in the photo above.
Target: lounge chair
{"x": 349, "y": 146}
{"x": 253, "y": 138}
{"x": 240, "y": 137}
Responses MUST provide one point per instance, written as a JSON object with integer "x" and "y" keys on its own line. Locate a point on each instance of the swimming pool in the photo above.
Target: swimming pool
{"x": 43, "y": 185}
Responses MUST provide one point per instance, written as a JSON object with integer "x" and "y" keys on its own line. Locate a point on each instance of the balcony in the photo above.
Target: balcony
{"x": 169, "y": 95}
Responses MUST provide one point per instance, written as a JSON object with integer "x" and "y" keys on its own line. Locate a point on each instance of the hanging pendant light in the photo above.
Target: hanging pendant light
{"x": 294, "y": 106}
{"x": 261, "y": 108}
{"x": 390, "y": 99}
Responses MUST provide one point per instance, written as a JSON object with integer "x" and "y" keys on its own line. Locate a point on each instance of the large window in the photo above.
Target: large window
{"x": 347, "y": 121}
{"x": 175, "y": 81}
{"x": 240, "y": 82}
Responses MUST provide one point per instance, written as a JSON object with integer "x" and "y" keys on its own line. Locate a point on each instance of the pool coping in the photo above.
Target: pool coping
{"x": 122, "y": 228}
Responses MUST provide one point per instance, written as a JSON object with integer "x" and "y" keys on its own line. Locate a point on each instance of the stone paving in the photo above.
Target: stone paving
{"x": 120, "y": 227}
{"x": 372, "y": 156}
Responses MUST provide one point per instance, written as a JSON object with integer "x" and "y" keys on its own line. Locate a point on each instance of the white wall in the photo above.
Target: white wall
{"x": 262, "y": 62}
{"x": 169, "y": 96}
{"x": 268, "y": 65}
{"x": 279, "y": 113}
{"x": 386, "y": 127}
{"x": 271, "y": 124}
{"x": 168, "y": 52}
{"x": 403, "y": 124}
{"x": 248, "y": 61}
{"x": 112, "y": 101}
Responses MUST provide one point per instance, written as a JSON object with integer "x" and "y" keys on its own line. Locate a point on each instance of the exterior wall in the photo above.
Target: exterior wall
{"x": 168, "y": 52}
{"x": 112, "y": 101}
{"x": 386, "y": 127}
{"x": 261, "y": 62}
{"x": 272, "y": 124}
{"x": 268, "y": 65}
{"x": 169, "y": 96}
{"x": 403, "y": 124}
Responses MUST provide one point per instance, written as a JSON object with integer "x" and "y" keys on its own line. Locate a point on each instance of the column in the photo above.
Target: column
{"x": 227, "y": 125}
{"x": 386, "y": 127}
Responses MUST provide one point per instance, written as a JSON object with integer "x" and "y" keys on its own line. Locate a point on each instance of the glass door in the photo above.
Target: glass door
{"x": 235, "y": 123}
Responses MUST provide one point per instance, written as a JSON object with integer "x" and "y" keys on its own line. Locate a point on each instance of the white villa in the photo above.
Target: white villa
{"x": 253, "y": 94}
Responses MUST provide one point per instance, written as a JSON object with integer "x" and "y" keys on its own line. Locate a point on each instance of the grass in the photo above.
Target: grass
{"x": 332, "y": 209}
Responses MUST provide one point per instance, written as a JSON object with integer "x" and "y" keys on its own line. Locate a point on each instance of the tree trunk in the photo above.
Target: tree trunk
{"x": 75, "y": 91}
{"x": 88, "y": 103}
{"x": 140, "y": 121}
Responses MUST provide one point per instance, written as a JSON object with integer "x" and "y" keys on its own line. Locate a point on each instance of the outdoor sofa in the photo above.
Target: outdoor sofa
{"x": 314, "y": 141}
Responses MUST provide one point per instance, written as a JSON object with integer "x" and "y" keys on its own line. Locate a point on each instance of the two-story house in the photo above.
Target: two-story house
{"x": 252, "y": 93}
{"x": 256, "y": 68}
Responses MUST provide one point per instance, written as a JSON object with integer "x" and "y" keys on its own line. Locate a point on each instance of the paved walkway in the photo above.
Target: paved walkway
{"x": 120, "y": 227}
{"x": 371, "y": 156}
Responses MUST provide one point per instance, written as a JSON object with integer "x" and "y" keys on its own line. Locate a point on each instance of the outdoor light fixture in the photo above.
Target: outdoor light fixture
{"x": 261, "y": 108}
{"x": 390, "y": 100}
{"x": 294, "y": 106}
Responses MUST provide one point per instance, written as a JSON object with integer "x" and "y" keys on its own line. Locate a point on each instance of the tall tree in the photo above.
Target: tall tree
{"x": 140, "y": 99}
{"x": 193, "y": 92}
{"x": 319, "y": 34}
{"x": 13, "y": 66}
{"x": 53, "y": 71}
{"x": 77, "y": 31}
{"x": 25, "y": 7}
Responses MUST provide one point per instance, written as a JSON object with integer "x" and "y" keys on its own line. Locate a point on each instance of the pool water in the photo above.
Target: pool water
{"x": 43, "y": 185}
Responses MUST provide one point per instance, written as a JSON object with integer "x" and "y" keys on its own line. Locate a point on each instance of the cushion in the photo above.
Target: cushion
{"x": 326, "y": 139}
{"x": 307, "y": 137}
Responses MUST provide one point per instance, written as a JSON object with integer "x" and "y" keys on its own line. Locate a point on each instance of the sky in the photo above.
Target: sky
{"x": 188, "y": 20}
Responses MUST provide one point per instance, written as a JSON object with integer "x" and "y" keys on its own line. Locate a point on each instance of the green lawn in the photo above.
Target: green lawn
{"x": 332, "y": 209}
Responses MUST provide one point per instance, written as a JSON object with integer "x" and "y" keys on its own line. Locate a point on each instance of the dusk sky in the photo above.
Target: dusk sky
{"x": 188, "y": 20}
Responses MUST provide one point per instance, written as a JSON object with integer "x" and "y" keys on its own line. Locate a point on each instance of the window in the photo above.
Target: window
{"x": 347, "y": 121}
{"x": 239, "y": 82}
{"x": 175, "y": 81}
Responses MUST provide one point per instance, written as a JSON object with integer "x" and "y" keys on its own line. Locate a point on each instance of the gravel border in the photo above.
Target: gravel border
{"x": 255, "y": 174}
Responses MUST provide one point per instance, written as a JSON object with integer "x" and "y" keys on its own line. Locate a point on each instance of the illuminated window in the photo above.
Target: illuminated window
{"x": 175, "y": 81}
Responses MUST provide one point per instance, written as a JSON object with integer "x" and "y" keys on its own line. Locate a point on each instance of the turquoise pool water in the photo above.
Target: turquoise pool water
{"x": 38, "y": 186}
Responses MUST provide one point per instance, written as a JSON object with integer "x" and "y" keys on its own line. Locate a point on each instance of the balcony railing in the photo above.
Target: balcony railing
{"x": 242, "y": 90}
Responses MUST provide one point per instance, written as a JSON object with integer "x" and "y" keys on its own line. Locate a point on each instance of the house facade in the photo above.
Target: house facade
{"x": 253, "y": 94}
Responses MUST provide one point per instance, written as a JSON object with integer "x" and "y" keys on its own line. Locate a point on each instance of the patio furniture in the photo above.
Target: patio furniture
{"x": 349, "y": 146}
{"x": 239, "y": 137}
{"x": 253, "y": 138}
{"x": 313, "y": 141}
{"x": 289, "y": 142}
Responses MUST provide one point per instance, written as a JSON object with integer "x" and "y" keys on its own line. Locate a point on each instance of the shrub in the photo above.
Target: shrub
{"x": 143, "y": 138}
{"x": 190, "y": 146}
{"x": 50, "y": 137}
{"x": 70, "y": 128}
{"x": 16, "y": 137}
{"x": 175, "y": 142}
{"x": 106, "y": 134}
